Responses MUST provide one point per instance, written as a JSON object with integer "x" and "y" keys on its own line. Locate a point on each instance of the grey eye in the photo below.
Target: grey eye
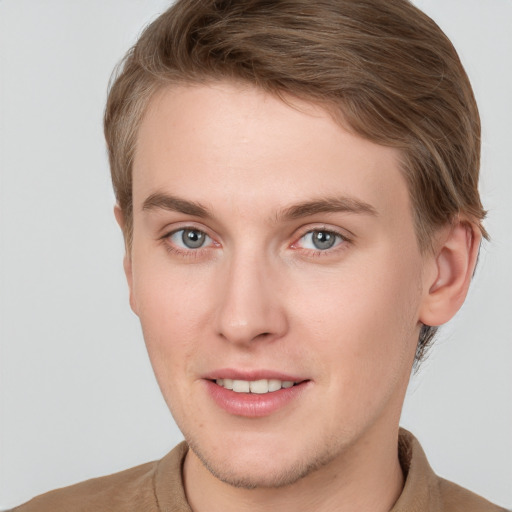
{"x": 189, "y": 238}
{"x": 321, "y": 240}
{"x": 193, "y": 238}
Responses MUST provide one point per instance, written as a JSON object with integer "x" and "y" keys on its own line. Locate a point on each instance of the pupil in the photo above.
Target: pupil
{"x": 323, "y": 239}
{"x": 192, "y": 238}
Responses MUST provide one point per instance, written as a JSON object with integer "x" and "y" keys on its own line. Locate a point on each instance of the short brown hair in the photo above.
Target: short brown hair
{"x": 383, "y": 68}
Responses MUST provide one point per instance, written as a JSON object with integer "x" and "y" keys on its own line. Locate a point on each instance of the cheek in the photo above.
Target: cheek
{"x": 173, "y": 306}
{"x": 169, "y": 314}
{"x": 365, "y": 317}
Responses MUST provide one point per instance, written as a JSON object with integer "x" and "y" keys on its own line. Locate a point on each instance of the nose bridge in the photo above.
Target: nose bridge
{"x": 249, "y": 307}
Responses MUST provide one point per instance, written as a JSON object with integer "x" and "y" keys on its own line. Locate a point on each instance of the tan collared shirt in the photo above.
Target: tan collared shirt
{"x": 158, "y": 487}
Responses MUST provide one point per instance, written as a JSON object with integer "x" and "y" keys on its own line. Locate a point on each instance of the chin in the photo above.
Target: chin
{"x": 265, "y": 469}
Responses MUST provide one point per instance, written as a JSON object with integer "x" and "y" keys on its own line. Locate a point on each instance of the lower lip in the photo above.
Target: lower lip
{"x": 253, "y": 405}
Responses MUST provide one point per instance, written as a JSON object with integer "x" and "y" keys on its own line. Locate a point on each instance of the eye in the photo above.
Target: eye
{"x": 320, "y": 240}
{"x": 190, "y": 238}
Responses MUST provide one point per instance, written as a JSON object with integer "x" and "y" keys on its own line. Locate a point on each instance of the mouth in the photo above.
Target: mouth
{"x": 257, "y": 394}
{"x": 259, "y": 387}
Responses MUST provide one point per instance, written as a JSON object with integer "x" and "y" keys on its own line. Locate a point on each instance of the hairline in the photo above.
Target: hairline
{"x": 425, "y": 234}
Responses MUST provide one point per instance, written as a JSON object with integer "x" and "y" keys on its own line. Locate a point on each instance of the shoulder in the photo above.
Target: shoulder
{"x": 150, "y": 487}
{"x": 457, "y": 499}
{"x": 425, "y": 491}
{"x": 127, "y": 491}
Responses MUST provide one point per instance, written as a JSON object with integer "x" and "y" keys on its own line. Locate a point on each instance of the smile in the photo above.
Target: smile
{"x": 259, "y": 387}
{"x": 254, "y": 396}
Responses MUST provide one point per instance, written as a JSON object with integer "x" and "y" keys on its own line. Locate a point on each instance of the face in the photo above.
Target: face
{"x": 277, "y": 277}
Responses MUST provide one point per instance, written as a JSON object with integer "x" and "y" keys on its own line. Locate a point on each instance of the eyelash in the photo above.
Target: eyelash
{"x": 196, "y": 253}
{"x": 340, "y": 244}
{"x": 186, "y": 253}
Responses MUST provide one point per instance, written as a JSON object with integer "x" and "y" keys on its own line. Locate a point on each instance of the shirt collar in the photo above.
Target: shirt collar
{"x": 421, "y": 491}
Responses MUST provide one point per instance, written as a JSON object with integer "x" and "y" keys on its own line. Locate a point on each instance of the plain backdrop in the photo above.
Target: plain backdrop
{"x": 77, "y": 395}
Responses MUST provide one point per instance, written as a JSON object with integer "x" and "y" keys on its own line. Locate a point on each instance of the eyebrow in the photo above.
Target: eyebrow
{"x": 175, "y": 204}
{"x": 297, "y": 211}
{"x": 328, "y": 205}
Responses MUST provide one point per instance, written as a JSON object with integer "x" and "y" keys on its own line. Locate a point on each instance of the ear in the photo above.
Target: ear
{"x": 127, "y": 260}
{"x": 453, "y": 264}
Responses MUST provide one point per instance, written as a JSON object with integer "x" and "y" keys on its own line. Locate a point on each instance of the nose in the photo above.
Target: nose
{"x": 251, "y": 306}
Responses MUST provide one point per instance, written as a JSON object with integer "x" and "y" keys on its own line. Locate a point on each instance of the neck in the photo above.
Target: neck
{"x": 365, "y": 477}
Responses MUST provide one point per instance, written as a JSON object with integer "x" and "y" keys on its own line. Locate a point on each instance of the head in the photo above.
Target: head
{"x": 383, "y": 70}
{"x": 238, "y": 131}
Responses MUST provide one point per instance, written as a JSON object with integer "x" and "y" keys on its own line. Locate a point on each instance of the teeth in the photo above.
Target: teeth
{"x": 241, "y": 386}
{"x": 274, "y": 385}
{"x": 260, "y": 387}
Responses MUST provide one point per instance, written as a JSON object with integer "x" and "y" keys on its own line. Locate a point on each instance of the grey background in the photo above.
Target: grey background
{"x": 77, "y": 394}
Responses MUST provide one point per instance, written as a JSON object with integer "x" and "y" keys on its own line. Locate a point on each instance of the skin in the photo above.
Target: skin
{"x": 259, "y": 296}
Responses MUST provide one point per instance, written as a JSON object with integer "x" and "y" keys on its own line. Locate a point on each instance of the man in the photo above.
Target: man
{"x": 297, "y": 188}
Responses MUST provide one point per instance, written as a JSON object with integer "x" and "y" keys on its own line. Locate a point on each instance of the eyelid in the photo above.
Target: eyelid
{"x": 300, "y": 233}
{"x": 169, "y": 230}
{"x": 184, "y": 251}
{"x": 174, "y": 236}
{"x": 328, "y": 229}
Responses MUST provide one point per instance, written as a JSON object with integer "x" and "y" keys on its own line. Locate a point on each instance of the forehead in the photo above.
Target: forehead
{"x": 230, "y": 145}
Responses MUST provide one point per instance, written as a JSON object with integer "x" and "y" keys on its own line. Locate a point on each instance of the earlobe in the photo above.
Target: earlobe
{"x": 127, "y": 265}
{"x": 454, "y": 263}
{"x": 119, "y": 215}
{"x": 127, "y": 260}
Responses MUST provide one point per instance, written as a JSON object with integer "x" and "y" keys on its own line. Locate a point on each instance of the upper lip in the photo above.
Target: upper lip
{"x": 251, "y": 375}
